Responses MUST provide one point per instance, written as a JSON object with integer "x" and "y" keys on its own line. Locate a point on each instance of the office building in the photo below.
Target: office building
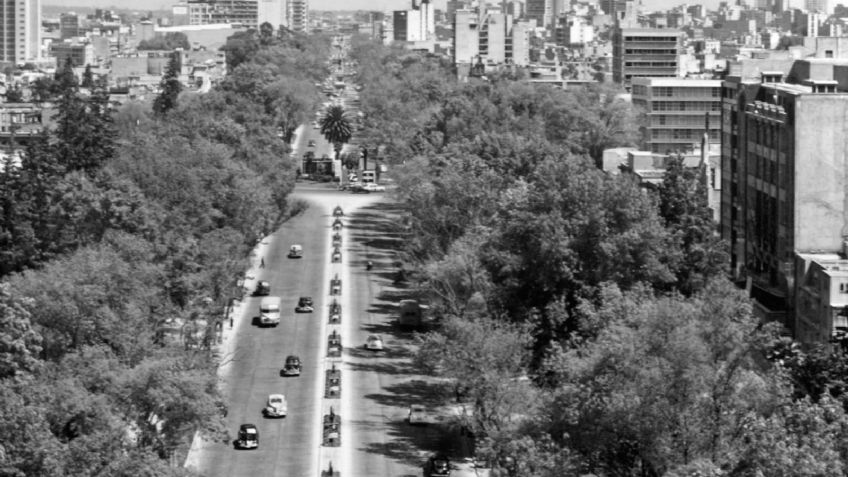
{"x": 415, "y": 25}
{"x": 80, "y": 54}
{"x": 490, "y": 38}
{"x": 20, "y": 30}
{"x": 821, "y": 6}
{"x": 297, "y": 15}
{"x": 540, "y": 10}
{"x": 69, "y": 26}
{"x": 783, "y": 209}
{"x": 272, "y": 12}
{"x": 645, "y": 52}
{"x": 210, "y": 12}
{"x": 675, "y": 109}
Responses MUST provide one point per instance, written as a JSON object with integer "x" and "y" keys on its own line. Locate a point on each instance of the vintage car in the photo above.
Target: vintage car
{"x": 292, "y": 366}
{"x": 263, "y": 288}
{"x": 337, "y": 255}
{"x": 296, "y": 251}
{"x": 337, "y": 212}
{"x": 336, "y": 285}
{"x": 374, "y": 343}
{"x": 248, "y": 437}
{"x": 304, "y": 305}
{"x": 438, "y": 466}
{"x": 276, "y": 407}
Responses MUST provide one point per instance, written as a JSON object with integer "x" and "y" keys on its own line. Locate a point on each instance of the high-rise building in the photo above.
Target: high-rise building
{"x": 415, "y": 25}
{"x": 645, "y": 52}
{"x": 297, "y": 15}
{"x": 207, "y": 12}
{"x": 69, "y": 25}
{"x": 783, "y": 210}
{"x": 491, "y": 38}
{"x": 675, "y": 110}
{"x": 822, "y": 6}
{"x": 273, "y": 12}
{"x": 540, "y": 10}
{"x": 20, "y": 30}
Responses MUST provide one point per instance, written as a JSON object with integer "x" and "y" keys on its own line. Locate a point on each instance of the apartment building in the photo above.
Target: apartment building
{"x": 492, "y": 38}
{"x": 675, "y": 109}
{"x": 784, "y": 211}
{"x": 645, "y": 52}
{"x": 297, "y": 15}
{"x": 80, "y": 54}
{"x": 540, "y": 10}
{"x": 415, "y": 25}
{"x": 20, "y": 30}
{"x": 209, "y": 12}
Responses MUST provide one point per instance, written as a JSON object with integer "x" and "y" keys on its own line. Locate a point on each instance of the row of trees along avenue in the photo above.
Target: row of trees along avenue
{"x": 118, "y": 225}
{"x": 642, "y": 358}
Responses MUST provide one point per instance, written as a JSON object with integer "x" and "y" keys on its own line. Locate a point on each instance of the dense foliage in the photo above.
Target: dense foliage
{"x": 642, "y": 359}
{"x": 117, "y": 227}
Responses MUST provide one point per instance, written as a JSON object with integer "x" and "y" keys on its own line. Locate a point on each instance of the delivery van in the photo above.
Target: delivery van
{"x": 269, "y": 311}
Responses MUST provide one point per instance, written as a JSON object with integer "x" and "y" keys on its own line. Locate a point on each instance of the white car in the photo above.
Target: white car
{"x": 372, "y": 187}
{"x": 374, "y": 343}
{"x": 417, "y": 416}
{"x": 277, "y": 406}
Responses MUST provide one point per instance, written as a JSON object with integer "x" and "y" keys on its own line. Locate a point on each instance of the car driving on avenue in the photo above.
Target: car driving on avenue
{"x": 248, "y": 437}
{"x": 276, "y": 407}
{"x": 263, "y": 288}
{"x": 374, "y": 343}
{"x": 292, "y": 366}
{"x": 269, "y": 311}
{"x": 417, "y": 416}
{"x": 296, "y": 251}
{"x": 438, "y": 466}
{"x": 304, "y": 305}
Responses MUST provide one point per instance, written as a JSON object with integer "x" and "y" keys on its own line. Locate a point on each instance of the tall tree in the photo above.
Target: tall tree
{"x": 84, "y": 134}
{"x": 336, "y": 128}
{"x": 171, "y": 86}
{"x": 87, "y": 77}
{"x": 683, "y": 205}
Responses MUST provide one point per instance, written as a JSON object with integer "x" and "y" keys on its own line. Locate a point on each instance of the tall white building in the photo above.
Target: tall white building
{"x": 273, "y": 12}
{"x": 823, "y": 6}
{"x": 493, "y": 38}
{"x": 20, "y": 30}
{"x": 415, "y": 25}
{"x": 297, "y": 15}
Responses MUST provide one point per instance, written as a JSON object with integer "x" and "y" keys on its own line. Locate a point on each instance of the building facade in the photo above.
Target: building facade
{"x": 675, "y": 109}
{"x": 415, "y": 25}
{"x": 20, "y": 30}
{"x": 646, "y": 52}
{"x": 80, "y": 54}
{"x": 784, "y": 207}
{"x": 272, "y": 12}
{"x": 297, "y": 15}
{"x": 540, "y": 10}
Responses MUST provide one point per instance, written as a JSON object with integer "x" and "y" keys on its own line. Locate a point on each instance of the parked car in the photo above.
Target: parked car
{"x": 311, "y": 143}
{"x": 304, "y": 305}
{"x": 248, "y": 437}
{"x": 292, "y": 366}
{"x": 372, "y": 187}
{"x": 438, "y": 466}
{"x": 374, "y": 343}
{"x": 276, "y": 407}
{"x": 358, "y": 189}
{"x": 263, "y": 288}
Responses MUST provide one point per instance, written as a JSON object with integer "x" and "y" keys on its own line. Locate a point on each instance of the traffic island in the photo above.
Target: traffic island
{"x": 333, "y": 383}
{"x": 334, "y": 345}
{"x": 332, "y": 429}
{"x": 335, "y": 313}
{"x": 336, "y": 285}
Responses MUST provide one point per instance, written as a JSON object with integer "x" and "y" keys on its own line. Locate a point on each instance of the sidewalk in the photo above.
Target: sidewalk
{"x": 225, "y": 347}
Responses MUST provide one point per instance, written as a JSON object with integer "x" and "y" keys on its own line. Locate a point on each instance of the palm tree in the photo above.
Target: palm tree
{"x": 336, "y": 128}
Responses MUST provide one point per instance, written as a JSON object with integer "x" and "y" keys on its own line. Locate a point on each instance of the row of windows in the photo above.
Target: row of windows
{"x": 670, "y": 39}
{"x": 650, "y": 51}
{"x": 692, "y": 134}
{"x": 702, "y": 106}
{"x": 685, "y": 92}
{"x": 681, "y": 120}
{"x": 651, "y": 64}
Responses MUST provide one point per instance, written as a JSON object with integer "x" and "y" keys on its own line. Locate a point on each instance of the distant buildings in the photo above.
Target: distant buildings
{"x": 416, "y": 27}
{"x": 675, "y": 110}
{"x": 490, "y": 39}
{"x": 297, "y": 13}
{"x": 20, "y": 30}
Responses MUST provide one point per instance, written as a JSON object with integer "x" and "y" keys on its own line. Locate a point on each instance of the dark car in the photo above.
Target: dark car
{"x": 248, "y": 437}
{"x": 311, "y": 143}
{"x": 292, "y": 366}
{"x": 304, "y": 305}
{"x": 358, "y": 189}
{"x": 438, "y": 466}
{"x": 263, "y": 288}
